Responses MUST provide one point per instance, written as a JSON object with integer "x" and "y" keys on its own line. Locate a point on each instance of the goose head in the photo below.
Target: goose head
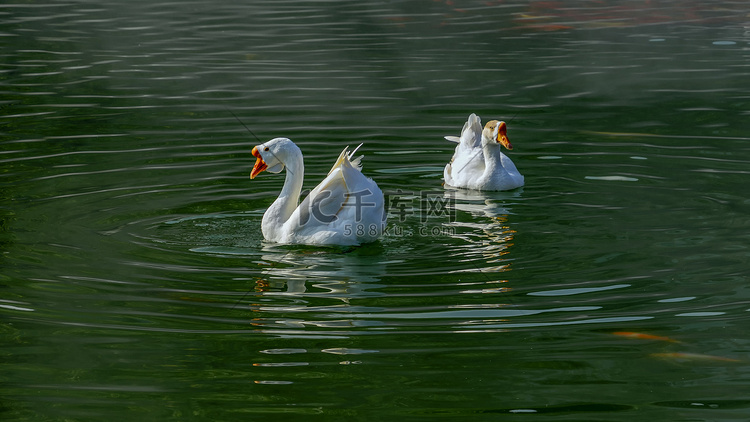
{"x": 273, "y": 155}
{"x": 496, "y": 132}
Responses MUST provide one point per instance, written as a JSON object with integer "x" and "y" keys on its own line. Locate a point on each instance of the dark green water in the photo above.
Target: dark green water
{"x": 135, "y": 284}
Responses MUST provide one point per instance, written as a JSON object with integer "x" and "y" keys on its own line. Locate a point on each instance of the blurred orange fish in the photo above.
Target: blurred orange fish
{"x": 693, "y": 356}
{"x": 642, "y": 336}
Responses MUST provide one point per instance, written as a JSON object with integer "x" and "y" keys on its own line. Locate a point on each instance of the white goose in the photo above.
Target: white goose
{"x": 346, "y": 208}
{"x": 478, "y": 162}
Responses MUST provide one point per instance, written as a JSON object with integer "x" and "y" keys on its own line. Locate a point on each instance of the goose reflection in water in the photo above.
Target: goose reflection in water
{"x": 489, "y": 226}
{"x": 333, "y": 273}
{"x": 303, "y": 289}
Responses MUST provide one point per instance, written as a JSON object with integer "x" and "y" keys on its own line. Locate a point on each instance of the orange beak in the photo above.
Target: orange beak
{"x": 502, "y": 136}
{"x": 260, "y": 165}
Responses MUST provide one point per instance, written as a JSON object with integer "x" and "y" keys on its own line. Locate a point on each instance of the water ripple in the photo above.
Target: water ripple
{"x": 130, "y": 231}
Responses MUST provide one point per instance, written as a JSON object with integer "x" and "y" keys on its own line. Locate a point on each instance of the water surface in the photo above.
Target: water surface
{"x": 136, "y": 283}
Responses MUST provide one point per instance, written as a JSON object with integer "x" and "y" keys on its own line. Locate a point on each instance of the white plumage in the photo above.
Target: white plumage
{"x": 346, "y": 208}
{"x": 478, "y": 162}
